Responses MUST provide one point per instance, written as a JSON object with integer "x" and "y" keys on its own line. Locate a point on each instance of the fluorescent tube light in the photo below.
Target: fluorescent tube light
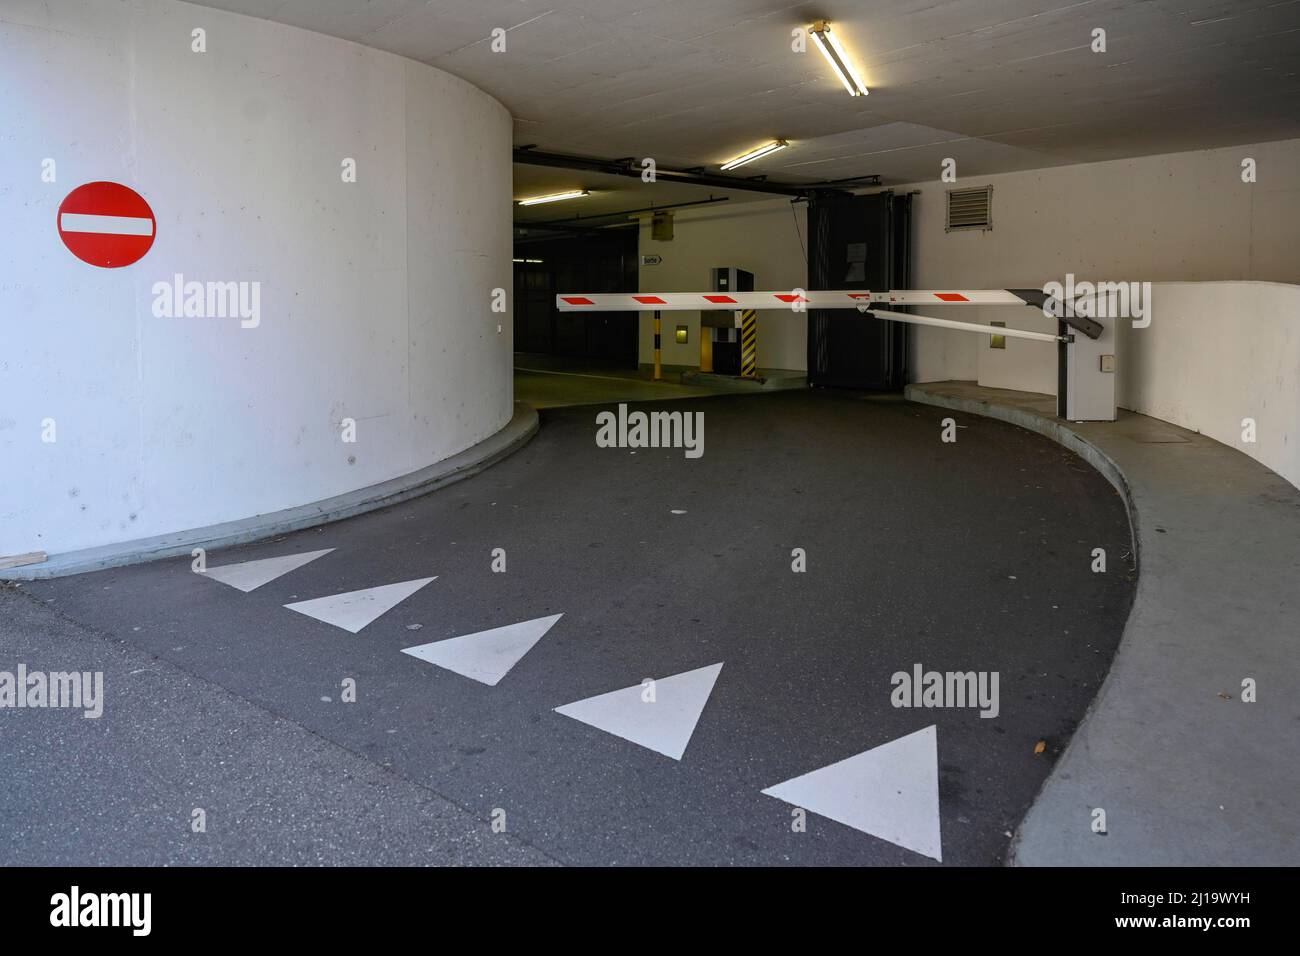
{"x": 837, "y": 57}
{"x": 754, "y": 154}
{"x": 555, "y": 197}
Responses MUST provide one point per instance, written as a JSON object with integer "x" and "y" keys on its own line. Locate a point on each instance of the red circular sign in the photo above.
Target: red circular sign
{"x": 106, "y": 224}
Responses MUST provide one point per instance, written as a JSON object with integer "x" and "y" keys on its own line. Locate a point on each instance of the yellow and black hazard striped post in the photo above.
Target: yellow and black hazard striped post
{"x": 658, "y": 353}
{"x": 749, "y": 344}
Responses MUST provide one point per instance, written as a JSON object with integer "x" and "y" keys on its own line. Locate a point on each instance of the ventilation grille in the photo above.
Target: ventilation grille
{"x": 970, "y": 208}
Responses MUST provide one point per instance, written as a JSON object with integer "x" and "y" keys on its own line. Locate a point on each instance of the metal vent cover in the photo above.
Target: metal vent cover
{"x": 970, "y": 208}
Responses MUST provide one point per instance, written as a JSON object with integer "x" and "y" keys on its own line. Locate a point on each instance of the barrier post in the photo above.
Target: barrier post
{"x": 749, "y": 343}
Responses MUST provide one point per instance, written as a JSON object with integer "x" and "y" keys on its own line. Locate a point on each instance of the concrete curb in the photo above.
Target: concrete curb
{"x": 765, "y": 382}
{"x": 1059, "y": 432}
{"x": 516, "y": 433}
{"x": 1187, "y": 773}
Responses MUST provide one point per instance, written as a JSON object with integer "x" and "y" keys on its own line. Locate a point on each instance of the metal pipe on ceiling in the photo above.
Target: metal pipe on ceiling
{"x": 524, "y": 224}
{"x": 529, "y": 156}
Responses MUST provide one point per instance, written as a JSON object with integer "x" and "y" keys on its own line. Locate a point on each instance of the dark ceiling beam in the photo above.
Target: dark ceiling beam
{"x": 529, "y": 156}
{"x": 579, "y": 220}
{"x": 523, "y": 228}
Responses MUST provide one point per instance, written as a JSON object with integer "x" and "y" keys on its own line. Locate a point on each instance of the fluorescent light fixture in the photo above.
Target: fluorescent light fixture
{"x": 754, "y": 154}
{"x": 554, "y": 197}
{"x": 836, "y": 56}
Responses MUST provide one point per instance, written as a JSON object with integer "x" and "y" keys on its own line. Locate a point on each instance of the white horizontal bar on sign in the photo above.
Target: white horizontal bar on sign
{"x": 107, "y": 225}
{"x": 964, "y": 326}
{"x": 812, "y": 299}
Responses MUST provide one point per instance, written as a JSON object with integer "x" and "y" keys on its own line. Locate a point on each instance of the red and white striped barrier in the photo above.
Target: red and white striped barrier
{"x": 861, "y": 300}
{"x": 843, "y": 299}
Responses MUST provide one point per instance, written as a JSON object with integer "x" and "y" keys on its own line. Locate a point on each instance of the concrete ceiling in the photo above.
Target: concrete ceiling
{"x": 1000, "y": 86}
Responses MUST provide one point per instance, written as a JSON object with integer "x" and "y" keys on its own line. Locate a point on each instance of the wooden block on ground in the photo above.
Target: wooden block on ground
{"x": 18, "y": 560}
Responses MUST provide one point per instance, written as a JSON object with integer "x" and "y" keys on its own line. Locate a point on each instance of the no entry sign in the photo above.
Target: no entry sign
{"x": 106, "y": 224}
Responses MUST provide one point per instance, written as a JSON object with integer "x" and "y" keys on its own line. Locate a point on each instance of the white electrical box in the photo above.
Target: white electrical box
{"x": 1090, "y": 376}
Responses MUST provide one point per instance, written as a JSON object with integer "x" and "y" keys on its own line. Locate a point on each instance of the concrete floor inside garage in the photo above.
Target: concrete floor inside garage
{"x": 963, "y": 556}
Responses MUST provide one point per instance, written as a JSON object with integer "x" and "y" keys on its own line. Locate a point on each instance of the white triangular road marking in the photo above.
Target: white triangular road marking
{"x": 664, "y": 725}
{"x": 353, "y": 610}
{"x": 486, "y": 656}
{"x": 250, "y": 575}
{"x": 890, "y": 791}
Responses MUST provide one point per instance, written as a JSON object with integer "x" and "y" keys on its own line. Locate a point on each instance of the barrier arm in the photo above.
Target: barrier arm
{"x": 868, "y": 303}
{"x": 860, "y": 300}
{"x": 963, "y": 326}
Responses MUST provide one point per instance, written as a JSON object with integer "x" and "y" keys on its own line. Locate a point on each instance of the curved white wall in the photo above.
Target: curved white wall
{"x": 375, "y": 295}
{"x": 1217, "y": 353}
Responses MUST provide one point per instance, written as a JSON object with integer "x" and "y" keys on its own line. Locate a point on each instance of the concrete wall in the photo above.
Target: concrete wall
{"x": 765, "y": 237}
{"x": 1215, "y": 354}
{"x": 1216, "y": 351}
{"x": 1182, "y": 216}
{"x": 375, "y": 295}
{"x": 1178, "y": 217}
